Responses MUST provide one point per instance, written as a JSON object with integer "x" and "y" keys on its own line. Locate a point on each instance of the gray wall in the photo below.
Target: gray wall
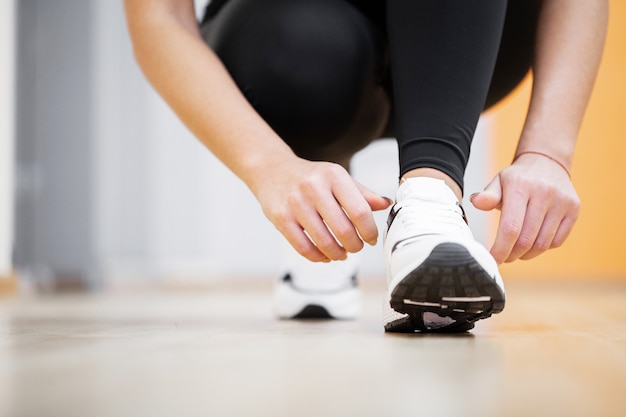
{"x": 54, "y": 153}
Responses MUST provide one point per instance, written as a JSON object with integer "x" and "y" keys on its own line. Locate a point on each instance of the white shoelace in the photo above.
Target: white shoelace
{"x": 419, "y": 216}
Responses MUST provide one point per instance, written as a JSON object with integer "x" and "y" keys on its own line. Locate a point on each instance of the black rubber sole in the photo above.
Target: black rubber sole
{"x": 313, "y": 312}
{"x": 450, "y": 283}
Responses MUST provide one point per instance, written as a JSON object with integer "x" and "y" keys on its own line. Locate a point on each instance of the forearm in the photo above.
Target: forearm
{"x": 570, "y": 40}
{"x": 193, "y": 81}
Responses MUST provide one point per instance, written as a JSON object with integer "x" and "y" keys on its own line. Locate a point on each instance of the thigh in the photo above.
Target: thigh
{"x": 304, "y": 65}
{"x": 516, "y": 49}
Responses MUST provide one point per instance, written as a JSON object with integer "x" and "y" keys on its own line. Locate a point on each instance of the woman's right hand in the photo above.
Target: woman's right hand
{"x": 319, "y": 208}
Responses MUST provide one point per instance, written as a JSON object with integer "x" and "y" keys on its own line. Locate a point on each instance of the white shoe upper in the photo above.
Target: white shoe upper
{"x": 320, "y": 277}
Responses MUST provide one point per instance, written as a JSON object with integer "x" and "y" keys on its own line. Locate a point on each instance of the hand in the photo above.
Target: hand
{"x": 539, "y": 207}
{"x": 320, "y": 209}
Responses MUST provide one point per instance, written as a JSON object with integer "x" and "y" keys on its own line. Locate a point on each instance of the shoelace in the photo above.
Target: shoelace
{"x": 418, "y": 216}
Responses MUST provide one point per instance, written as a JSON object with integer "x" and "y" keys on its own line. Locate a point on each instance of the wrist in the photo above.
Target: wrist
{"x": 544, "y": 155}
{"x": 559, "y": 148}
{"x": 258, "y": 168}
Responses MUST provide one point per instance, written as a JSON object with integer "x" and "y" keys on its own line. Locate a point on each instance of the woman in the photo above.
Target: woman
{"x": 284, "y": 92}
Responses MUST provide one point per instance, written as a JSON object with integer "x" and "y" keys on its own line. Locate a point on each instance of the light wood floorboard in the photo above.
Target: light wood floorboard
{"x": 558, "y": 349}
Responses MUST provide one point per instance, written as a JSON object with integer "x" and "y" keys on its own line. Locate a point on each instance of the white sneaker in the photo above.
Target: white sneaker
{"x": 317, "y": 290}
{"x": 439, "y": 278}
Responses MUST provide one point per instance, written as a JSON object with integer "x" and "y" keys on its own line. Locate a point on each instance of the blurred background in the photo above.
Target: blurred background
{"x": 101, "y": 186}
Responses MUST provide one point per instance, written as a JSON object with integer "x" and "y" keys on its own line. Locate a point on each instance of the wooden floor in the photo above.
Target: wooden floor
{"x": 556, "y": 350}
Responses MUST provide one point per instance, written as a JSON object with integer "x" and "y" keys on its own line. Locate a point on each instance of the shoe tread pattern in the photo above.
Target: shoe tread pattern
{"x": 449, "y": 271}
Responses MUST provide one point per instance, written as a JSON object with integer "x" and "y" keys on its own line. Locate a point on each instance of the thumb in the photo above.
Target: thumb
{"x": 490, "y": 198}
{"x": 375, "y": 201}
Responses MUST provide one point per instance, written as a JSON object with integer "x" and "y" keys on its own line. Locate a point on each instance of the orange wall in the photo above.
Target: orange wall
{"x": 597, "y": 246}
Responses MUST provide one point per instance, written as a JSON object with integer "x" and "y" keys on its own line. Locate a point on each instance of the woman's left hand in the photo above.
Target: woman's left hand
{"x": 538, "y": 204}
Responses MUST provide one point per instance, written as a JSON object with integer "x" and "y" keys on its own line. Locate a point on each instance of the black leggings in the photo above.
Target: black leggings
{"x": 330, "y": 76}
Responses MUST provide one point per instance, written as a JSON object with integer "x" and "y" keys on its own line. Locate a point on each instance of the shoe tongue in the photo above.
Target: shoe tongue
{"x": 426, "y": 189}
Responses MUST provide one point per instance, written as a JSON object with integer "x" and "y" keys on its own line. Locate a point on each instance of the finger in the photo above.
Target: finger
{"x": 339, "y": 224}
{"x": 318, "y": 232}
{"x": 546, "y": 235}
{"x": 514, "y": 204}
{"x": 534, "y": 218}
{"x": 307, "y": 216}
{"x": 375, "y": 201}
{"x": 298, "y": 239}
{"x": 565, "y": 228}
{"x": 490, "y": 198}
{"x": 357, "y": 209}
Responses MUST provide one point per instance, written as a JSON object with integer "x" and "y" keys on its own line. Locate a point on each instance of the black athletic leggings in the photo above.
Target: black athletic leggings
{"x": 330, "y": 76}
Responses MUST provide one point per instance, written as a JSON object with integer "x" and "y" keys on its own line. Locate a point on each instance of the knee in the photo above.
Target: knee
{"x": 303, "y": 65}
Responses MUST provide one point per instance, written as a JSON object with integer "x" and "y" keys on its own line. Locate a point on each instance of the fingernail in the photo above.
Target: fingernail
{"x": 472, "y": 195}
{"x": 389, "y": 200}
{"x": 326, "y": 261}
{"x": 372, "y": 242}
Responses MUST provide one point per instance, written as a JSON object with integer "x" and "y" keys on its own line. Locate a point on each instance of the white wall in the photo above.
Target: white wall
{"x": 165, "y": 206}
{"x": 7, "y": 131}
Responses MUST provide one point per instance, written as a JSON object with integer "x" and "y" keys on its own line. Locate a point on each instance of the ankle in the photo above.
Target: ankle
{"x": 434, "y": 173}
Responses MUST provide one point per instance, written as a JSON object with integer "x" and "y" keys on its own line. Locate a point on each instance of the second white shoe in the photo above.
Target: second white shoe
{"x": 439, "y": 277}
{"x": 310, "y": 290}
